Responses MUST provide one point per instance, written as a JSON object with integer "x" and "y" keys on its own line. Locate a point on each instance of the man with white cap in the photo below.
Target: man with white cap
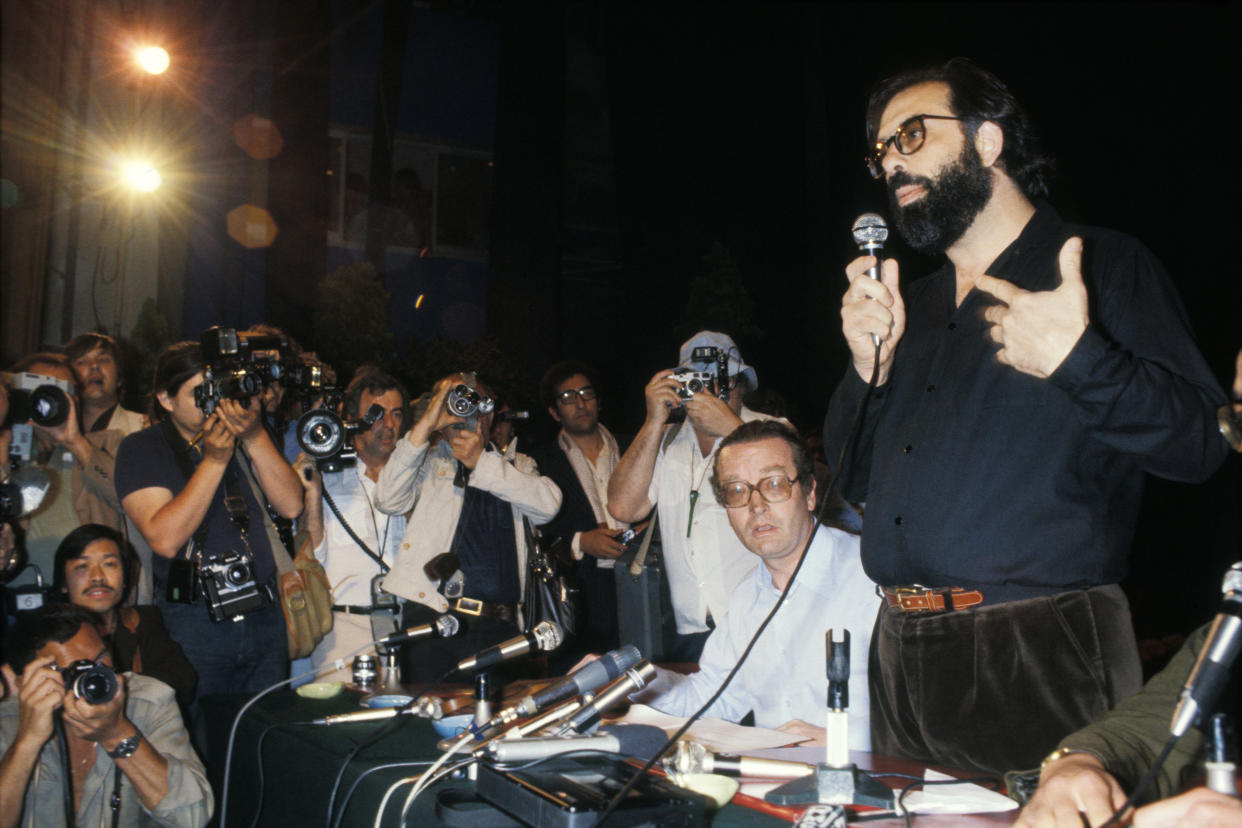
{"x": 668, "y": 466}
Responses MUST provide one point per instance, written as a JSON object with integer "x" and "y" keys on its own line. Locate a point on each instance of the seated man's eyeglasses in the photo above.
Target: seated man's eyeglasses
{"x": 586, "y": 393}
{"x": 908, "y": 139}
{"x": 775, "y": 489}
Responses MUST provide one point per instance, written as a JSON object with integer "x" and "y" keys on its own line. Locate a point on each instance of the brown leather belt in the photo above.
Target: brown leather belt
{"x": 930, "y": 599}
{"x": 482, "y": 609}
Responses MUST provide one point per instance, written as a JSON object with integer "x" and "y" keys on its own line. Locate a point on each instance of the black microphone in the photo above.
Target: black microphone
{"x": 547, "y": 635}
{"x": 638, "y": 741}
{"x": 1211, "y": 671}
{"x": 446, "y": 626}
{"x": 635, "y": 679}
{"x": 838, "y": 672}
{"x": 870, "y": 232}
{"x": 586, "y": 679}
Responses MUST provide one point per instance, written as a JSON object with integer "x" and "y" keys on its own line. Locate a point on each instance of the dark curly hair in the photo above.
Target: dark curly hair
{"x": 976, "y": 95}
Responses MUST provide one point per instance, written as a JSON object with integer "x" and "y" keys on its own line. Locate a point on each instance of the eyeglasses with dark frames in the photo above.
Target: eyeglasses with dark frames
{"x": 586, "y": 393}
{"x": 907, "y": 138}
{"x": 775, "y": 489}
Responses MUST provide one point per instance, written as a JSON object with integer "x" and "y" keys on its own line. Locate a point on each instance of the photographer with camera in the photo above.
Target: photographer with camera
{"x": 464, "y": 549}
{"x": 120, "y": 743}
{"x": 668, "y": 467}
{"x": 192, "y": 485}
{"x": 354, "y": 541}
{"x": 43, "y": 434}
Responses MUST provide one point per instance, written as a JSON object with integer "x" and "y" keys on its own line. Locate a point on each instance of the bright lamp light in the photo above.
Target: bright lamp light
{"x": 142, "y": 177}
{"x": 152, "y": 59}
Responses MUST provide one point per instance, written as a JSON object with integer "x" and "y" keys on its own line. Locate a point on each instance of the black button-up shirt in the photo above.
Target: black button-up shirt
{"x": 977, "y": 475}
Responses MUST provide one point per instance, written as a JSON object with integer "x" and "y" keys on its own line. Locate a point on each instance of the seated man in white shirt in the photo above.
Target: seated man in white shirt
{"x": 763, "y": 477}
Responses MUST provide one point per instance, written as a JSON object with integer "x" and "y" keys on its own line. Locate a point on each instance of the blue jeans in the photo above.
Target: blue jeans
{"x": 243, "y": 656}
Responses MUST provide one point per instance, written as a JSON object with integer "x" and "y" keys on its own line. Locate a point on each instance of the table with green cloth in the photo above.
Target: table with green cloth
{"x": 283, "y": 770}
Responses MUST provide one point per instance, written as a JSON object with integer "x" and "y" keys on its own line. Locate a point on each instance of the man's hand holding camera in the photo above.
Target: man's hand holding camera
{"x": 711, "y": 416}
{"x": 467, "y": 445}
{"x": 662, "y": 397}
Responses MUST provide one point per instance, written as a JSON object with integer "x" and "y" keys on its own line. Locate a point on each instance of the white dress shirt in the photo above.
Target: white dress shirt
{"x": 784, "y": 676}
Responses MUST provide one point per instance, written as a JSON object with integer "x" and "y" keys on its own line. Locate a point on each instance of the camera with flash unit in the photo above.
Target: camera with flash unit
{"x": 328, "y": 439}
{"x": 696, "y": 382}
{"x": 92, "y": 681}
{"x": 238, "y": 366}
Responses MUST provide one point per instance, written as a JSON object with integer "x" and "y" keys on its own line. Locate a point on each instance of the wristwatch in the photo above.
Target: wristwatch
{"x": 126, "y": 747}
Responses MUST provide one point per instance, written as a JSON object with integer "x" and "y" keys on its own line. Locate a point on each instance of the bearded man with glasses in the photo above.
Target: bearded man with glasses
{"x": 1024, "y": 390}
{"x": 762, "y": 476}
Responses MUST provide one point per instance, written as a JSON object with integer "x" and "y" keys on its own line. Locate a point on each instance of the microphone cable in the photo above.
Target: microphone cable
{"x": 855, "y": 428}
{"x": 388, "y": 728}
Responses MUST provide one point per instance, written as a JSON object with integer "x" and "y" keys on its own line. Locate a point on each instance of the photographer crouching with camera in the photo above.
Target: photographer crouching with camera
{"x": 193, "y": 485}
{"x": 83, "y": 745}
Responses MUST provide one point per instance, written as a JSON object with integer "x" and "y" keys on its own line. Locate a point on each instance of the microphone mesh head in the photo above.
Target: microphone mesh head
{"x": 447, "y": 626}
{"x": 870, "y": 228}
{"x": 548, "y": 635}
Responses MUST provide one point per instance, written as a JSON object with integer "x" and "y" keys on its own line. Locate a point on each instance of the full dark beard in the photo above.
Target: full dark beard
{"x": 933, "y": 223}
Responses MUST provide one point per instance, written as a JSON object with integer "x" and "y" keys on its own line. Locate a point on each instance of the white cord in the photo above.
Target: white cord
{"x": 379, "y": 815}
{"x": 429, "y": 775}
{"x": 339, "y": 664}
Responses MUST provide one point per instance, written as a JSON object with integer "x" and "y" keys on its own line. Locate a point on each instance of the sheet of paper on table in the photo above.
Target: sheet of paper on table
{"x": 725, "y": 737}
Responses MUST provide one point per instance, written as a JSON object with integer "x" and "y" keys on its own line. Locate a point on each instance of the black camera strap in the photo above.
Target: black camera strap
{"x": 349, "y": 530}
{"x": 239, "y": 515}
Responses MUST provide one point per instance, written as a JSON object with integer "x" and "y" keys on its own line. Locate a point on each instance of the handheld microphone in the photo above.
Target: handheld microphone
{"x": 635, "y": 679}
{"x": 639, "y": 741}
{"x": 446, "y": 626}
{"x": 547, "y": 635}
{"x": 586, "y": 679}
{"x": 1211, "y": 671}
{"x": 870, "y": 232}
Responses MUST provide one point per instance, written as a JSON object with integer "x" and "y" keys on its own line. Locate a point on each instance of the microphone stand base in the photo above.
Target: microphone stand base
{"x": 833, "y": 786}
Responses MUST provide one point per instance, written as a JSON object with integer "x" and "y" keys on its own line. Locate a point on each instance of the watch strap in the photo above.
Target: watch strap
{"x": 126, "y": 747}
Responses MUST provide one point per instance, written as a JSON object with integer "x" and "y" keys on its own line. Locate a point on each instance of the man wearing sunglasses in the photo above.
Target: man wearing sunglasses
{"x": 763, "y": 478}
{"x": 1024, "y": 389}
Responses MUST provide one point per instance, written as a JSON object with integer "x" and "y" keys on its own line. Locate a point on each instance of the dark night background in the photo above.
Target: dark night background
{"x": 650, "y": 158}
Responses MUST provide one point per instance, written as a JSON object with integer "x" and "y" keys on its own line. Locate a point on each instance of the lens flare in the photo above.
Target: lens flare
{"x": 152, "y": 59}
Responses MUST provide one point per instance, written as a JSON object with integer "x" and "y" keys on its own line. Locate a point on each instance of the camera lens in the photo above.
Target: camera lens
{"x": 320, "y": 433}
{"x": 694, "y": 386}
{"x": 237, "y": 574}
{"x": 91, "y": 681}
{"x": 49, "y": 406}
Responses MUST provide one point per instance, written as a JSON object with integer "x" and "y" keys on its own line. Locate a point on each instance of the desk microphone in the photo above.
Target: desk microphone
{"x": 639, "y": 741}
{"x": 1211, "y": 671}
{"x": 446, "y": 626}
{"x": 692, "y": 757}
{"x": 547, "y": 635}
{"x": 635, "y": 679}
{"x": 426, "y": 707}
{"x": 586, "y": 679}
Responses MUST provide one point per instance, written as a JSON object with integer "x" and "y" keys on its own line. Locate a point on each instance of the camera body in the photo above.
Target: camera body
{"x": 693, "y": 382}
{"x": 238, "y": 366}
{"x": 229, "y": 586}
{"x": 92, "y": 681}
{"x": 465, "y": 401}
{"x": 35, "y": 399}
{"x": 329, "y": 439}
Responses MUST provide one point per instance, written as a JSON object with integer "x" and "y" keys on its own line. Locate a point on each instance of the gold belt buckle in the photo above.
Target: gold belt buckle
{"x": 476, "y": 606}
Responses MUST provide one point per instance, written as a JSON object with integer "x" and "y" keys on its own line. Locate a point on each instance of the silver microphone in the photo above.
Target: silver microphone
{"x": 635, "y": 679}
{"x": 547, "y": 635}
{"x": 446, "y": 626}
{"x": 1211, "y": 670}
{"x": 870, "y": 232}
{"x": 426, "y": 707}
